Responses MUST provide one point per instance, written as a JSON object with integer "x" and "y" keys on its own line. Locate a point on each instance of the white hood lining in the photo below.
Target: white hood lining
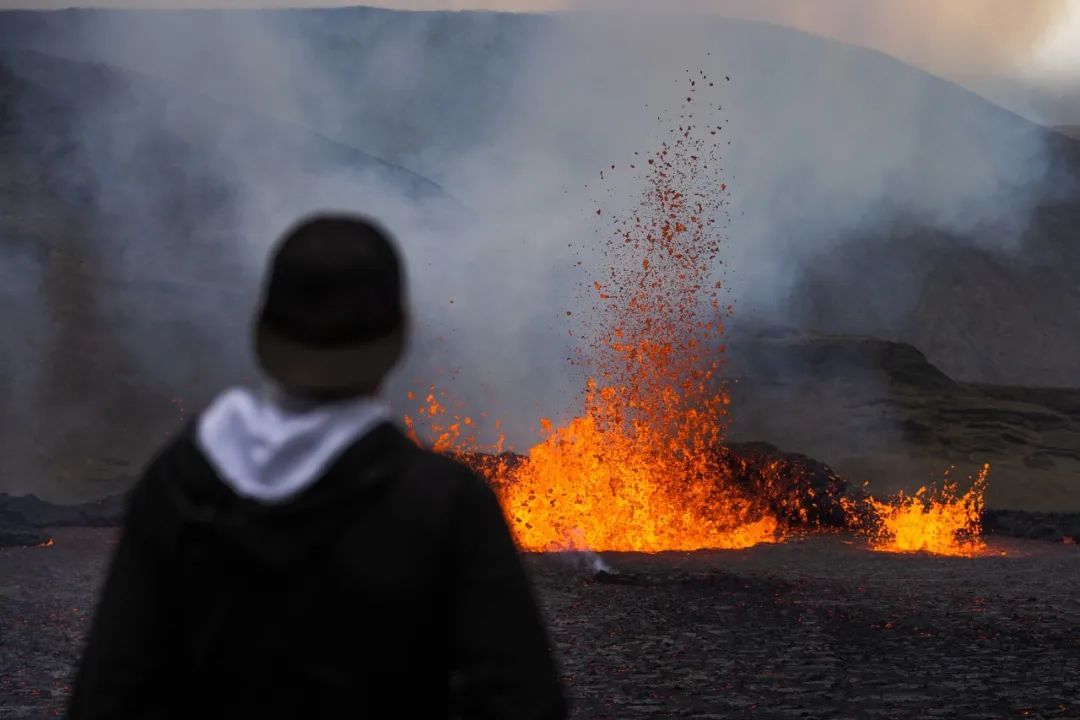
{"x": 269, "y": 452}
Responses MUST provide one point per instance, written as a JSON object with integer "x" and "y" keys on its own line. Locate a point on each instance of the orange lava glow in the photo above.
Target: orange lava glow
{"x": 639, "y": 468}
{"x": 604, "y": 483}
{"x": 941, "y": 521}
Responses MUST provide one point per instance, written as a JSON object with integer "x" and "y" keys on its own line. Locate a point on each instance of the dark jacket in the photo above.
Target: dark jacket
{"x": 391, "y": 588}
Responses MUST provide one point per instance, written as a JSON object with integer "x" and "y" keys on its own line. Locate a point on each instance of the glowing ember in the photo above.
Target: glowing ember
{"x": 941, "y": 522}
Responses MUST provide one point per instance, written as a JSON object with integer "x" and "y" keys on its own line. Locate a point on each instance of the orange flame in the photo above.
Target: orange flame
{"x": 940, "y": 522}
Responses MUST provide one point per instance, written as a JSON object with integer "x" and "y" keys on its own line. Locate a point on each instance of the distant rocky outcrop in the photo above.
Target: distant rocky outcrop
{"x": 879, "y": 411}
{"x": 1052, "y": 527}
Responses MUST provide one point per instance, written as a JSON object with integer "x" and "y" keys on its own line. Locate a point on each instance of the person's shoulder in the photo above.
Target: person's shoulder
{"x": 445, "y": 468}
{"x": 474, "y": 498}
{"x": 445, "y": 477}
{"x": 176, "y": 464}
{"x": 446, "y": 463}
{"x": 178, "y": 450}
{"x": 150, "y": 505}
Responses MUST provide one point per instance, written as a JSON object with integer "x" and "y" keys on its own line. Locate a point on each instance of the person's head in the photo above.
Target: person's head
{"x": 332, "y": 322}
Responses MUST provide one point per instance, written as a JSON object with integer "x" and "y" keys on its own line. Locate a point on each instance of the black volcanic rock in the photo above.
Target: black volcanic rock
{"x": 797, "y": 489}
{"x": 1053, "y": 527}
{"x": 615, "y": 578}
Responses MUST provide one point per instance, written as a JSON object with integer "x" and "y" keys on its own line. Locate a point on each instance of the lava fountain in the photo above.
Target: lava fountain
{"x": 640, "y": 468}
{"x": 643, "y": 467}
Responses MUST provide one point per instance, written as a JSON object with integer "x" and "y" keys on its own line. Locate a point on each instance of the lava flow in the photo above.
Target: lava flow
{"x": 644, "y": 467}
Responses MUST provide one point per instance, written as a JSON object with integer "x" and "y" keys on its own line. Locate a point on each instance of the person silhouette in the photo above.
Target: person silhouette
{"x": 293, "y": 554}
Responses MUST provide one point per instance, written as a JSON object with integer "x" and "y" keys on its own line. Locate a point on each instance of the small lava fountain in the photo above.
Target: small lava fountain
{"x": 940, "y": 521}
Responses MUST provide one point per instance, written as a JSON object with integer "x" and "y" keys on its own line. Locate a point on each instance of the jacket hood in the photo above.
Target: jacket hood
{"x": 270, "y": 448}
{"x": 275, "y": 479}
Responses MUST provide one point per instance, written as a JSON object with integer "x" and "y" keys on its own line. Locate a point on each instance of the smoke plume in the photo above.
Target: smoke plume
{"x": 513, "y": 117}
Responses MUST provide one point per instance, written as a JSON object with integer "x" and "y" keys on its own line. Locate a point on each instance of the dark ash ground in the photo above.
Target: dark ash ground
{"x": 816, "y": 628}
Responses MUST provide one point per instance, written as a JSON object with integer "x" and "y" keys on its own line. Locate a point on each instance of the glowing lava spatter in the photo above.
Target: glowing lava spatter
{"x": 940, "y": 521}
{"x": 639, "y": 468}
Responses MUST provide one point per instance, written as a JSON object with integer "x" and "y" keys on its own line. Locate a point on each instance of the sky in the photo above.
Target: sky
{"x": 1037, "y": 39}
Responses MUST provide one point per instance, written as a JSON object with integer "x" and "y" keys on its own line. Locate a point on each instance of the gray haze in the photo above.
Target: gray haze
{"x": 514, "y": 117}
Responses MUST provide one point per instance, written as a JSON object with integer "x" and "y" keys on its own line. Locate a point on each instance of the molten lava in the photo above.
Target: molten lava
{"x": 941, "y": 521}
{"x": 605, "y": 483}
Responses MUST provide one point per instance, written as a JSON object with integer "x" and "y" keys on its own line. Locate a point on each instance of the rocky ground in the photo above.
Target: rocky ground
{"x": 818, "y": 627}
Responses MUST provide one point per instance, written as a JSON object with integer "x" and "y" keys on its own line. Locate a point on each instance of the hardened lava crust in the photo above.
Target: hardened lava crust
{"x": 816, "y": 627}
